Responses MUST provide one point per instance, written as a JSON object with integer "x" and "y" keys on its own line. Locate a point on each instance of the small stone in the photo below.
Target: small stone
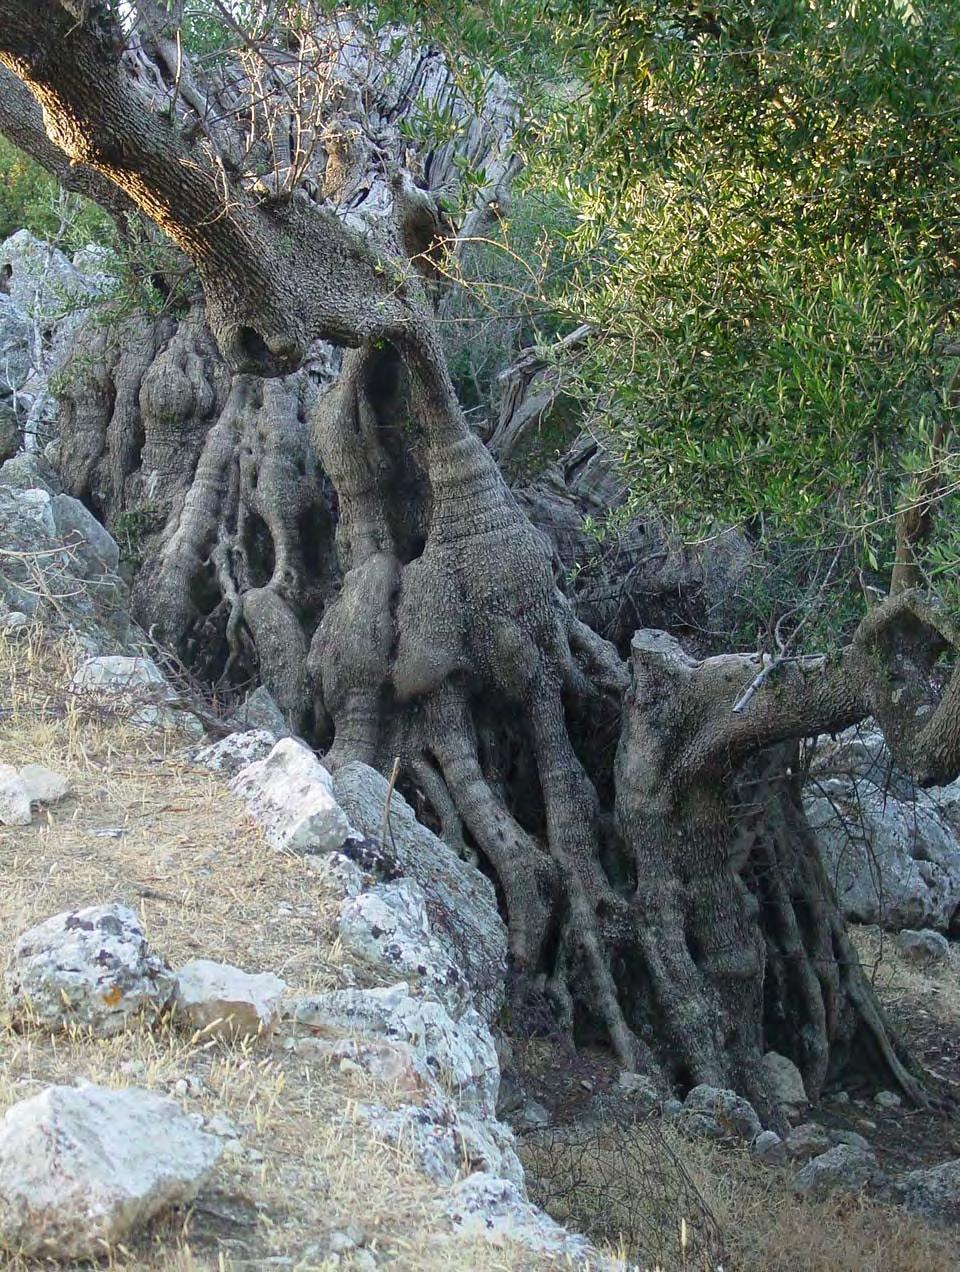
{"x": 806, "y": 1141}
{"x": 733, "y": 1113}
{"x": 81, "y": 1168}
{"x": 842, "y": 1168}
{"x": 840, "y": 1097}
{"x": 44, "y": 786}
{"x": 235, "y": 752}
{"x": 223, "y": 1001}
{"x": 783, "y": 1079}
{"x": 887, "y": 1100}
{"x": 15, "y": 621}
{"x": 769, "y": 1148}
{"x": 699, "y": 1125}
{"x": 14, "y": 798}
{"x": 851, "y": 1138}
{"x": 233, "y": 1148}
{"x": 671, "y": 1108}
{"x": 924, "y": 947}
{"x": 586, "y": 1084}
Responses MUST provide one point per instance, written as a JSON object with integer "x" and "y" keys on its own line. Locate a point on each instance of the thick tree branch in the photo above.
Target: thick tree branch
{"x": 735, "y": 705}
{"x": 277, "y": 276}
{"x": 21, "y": 121}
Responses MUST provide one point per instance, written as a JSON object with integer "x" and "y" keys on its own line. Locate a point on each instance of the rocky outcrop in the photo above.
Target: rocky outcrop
{"x": 82, "y": 1167}
{"x": 90, "y": 969}
{"x": 56, "y": 567}
{"x": 890, "y": 849}
{"x": 460, "y": 901}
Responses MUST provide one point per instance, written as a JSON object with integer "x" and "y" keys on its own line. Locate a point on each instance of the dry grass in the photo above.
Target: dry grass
{"x": 204, "y": 883}
{"x": 763, "y": 1225}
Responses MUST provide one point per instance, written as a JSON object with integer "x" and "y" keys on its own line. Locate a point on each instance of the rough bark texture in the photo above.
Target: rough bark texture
{"x": 397, "y": 596}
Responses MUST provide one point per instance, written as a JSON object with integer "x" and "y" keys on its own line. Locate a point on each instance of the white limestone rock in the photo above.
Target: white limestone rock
{"x": 443, "y": 1143}
{"x": 495, "y": 1209}
{"x": 82, "y": 1168}
{"x": 235, "y": 751}
{"x": 91, "y": 969}
{"x": 391, "y": 1064}
{"x": 44, "y": 786}
{"x": 893, "y": 861}
{"x": 462, "y": 902}
{"x": 14, "y": 798}
{"x": 138, "y": 685}
{"x": 388, "y": 928}
{"x": 290, "y": 794}
{"x": 338, "y": 873}
{"x": 225, "y": 1002}
{"x": 459, "y": 1053}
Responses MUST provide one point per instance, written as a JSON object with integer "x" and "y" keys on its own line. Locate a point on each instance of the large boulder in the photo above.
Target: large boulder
{"x": 90, "y": 969}
{"x": 93, "y": 547}
{"x": 461, "y": 902}
{"x": 925, "y": 948}
{"x": 81, "y": 1168}
{"x": 67, "y": 585}
{"x": 892, "y": 862}
{"x": 290, "y": 794}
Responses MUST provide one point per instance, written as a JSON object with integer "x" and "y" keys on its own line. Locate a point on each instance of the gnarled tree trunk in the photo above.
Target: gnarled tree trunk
{"x": 437, "y": 630}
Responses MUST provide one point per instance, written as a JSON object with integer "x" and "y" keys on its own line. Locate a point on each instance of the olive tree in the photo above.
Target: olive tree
{"x": 332, "y": 508}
